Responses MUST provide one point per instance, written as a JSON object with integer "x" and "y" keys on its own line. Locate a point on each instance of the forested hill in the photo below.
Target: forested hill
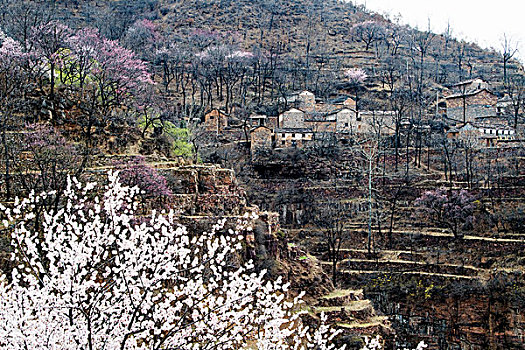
{"x": 315, "y": 34}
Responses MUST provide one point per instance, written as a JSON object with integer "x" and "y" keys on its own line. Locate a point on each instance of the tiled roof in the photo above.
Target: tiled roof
{"x": 293, "y": 130}
{"x": 471, "y": 93}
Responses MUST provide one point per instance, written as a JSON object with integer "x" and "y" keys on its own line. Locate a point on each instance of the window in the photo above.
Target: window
{"x": 283, "y": 142}
{"x": 346, "y": 125}
{"x": 284, "y": 135}
{"x": 304, "y": 135}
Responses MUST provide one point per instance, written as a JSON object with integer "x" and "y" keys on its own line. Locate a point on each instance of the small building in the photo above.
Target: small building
{"x": 261, "y": 140}
{"x": 216, "y": 121}
{"x": 306, "y": 101}
{"x": 372, "y": 122}
{"x": 465, "y": 107}
{"x": 344, "y": 119}
{"x": 501, "y": 132}
{"x": 293, "y": 118}
{"x": 293, "y": 137}
{"x": 483, "y": 135}
{"x": 350, "y": 103}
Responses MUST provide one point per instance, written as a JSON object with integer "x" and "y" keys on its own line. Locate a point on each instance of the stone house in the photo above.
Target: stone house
{"x": 335, "y": 121}
{"x": 465, "y": 107}
{"x": 261, "y": 140}
{"x": 350, "y": 103}
{"x": 293, "y": 118}
{"x": 216, "y": 121}
{"x": 500, "y": 131}
{"x": 483, "y": 135}
{"x": 344, "y": 119}
{"x": 306, "y": 101}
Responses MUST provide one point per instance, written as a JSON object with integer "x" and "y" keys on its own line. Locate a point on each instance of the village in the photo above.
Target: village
{"x": 469, "y": 111}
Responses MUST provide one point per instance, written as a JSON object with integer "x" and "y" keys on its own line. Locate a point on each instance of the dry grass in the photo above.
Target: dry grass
{"x": 373, "y": 322}
{"x": 351, "y": 306}
{"x": 340, "y": 293}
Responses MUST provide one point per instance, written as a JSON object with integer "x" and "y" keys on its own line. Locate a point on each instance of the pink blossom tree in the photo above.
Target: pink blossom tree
{"x": 143, "y": 38}
{"x": 112, "y": 78}
{"x": 43, "y": 162}
{"x": 97, "y": 279}
{"x": 93, "y": 78}
{"x": 356, "y": 77}
{"x": 452, "y": 209}
{"x": 152, "y": 185}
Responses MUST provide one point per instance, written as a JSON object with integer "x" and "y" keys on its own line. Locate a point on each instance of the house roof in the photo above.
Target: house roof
{"x": 472, "y": 126}
{"x": 293, "y": 110}
{"x": 469, "y": 81}
{"x": 471, "y": 93}
{"x": 293, "y": 130}
{"x": 218, "y": 110}
{"x": 505, "y": 98}
{"x": 259, "y": 127}
{"x": 338, "y": 99}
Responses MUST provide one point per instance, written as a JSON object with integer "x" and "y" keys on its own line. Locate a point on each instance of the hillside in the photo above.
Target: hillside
{"x": 348, "y": 133}
{"x": 317, "y": 34}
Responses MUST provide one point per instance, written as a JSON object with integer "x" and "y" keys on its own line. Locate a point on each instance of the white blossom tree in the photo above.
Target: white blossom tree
{"x": 96, "y": 276}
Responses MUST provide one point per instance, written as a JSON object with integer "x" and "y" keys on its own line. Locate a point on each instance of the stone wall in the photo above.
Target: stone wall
{"x": 293, "y": 119}
{"x": 205, "y": 190}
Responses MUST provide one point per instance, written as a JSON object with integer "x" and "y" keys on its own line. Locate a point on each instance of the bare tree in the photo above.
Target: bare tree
{"x": 368, "y": 32}
{"x": 330, "y": 217}
{"x": 368, "y": 151}
{"x": 515, "y": 89}
{"x": 509, "y": 48}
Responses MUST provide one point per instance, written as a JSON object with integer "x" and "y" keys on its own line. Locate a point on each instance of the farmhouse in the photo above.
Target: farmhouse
{"x": 483, "y": 135}
{"x": 261, "y": 138}
{"x": 216, "y": 121}
{"x": 465, "y": 107}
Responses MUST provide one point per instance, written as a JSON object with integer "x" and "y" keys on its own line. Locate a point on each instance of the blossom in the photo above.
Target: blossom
{"x": 95, "y": 277}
